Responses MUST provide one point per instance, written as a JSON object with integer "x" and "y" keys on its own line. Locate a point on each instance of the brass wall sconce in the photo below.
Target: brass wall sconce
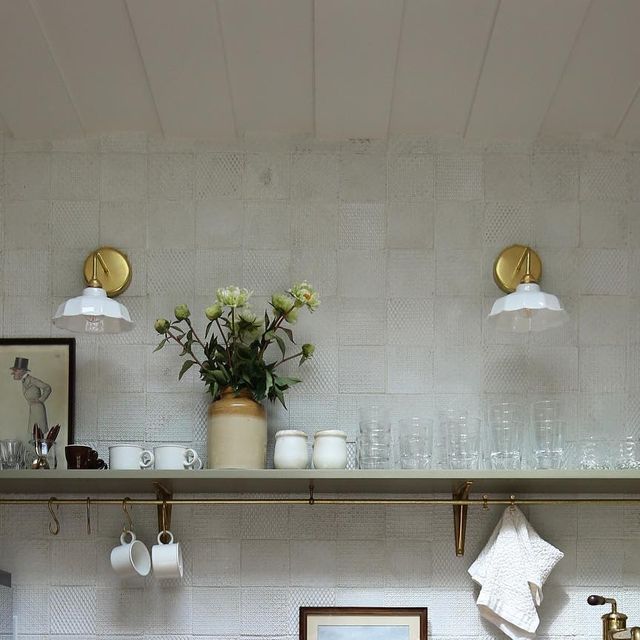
{"x": 517, "y": 271}
{"x": 107, "y": 272}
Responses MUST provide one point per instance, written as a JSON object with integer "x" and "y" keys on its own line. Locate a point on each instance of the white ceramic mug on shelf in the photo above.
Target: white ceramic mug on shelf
{"x": 130, "y": 456}
{"x": 167, "y": 558}
{"x": 171, "y": 456}
{"x": 130, "y": 558}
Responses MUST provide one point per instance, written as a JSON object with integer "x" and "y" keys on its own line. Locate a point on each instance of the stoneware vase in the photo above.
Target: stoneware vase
{"x": 237, "y": 429}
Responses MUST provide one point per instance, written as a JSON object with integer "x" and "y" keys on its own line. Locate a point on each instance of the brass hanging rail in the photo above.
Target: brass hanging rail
{"x": 164, "y": 501}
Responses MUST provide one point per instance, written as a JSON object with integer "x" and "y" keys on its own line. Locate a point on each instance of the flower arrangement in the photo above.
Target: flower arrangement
{"x": 233, "y": 352}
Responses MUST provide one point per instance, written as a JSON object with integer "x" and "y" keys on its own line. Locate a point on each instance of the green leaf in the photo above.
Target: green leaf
{"x": 162, "y": 344}
{"x": 280, "y": 396}
{"x": 185, "y": 367}
{"x": 280, "y": 342}
{"x": 283, "y": 381}
{"x": 220, "y": 377}
{"x": 289, "y": 334}
{"x": 206, "y": 331}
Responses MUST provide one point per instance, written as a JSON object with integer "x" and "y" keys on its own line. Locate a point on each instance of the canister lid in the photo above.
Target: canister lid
{"x": 291, "y": 432}
{"x": 336, "y": 433}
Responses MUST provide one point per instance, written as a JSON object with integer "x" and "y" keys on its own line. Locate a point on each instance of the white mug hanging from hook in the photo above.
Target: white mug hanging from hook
{"x": 167, "y": 554}
{"x": 131, "y": 557}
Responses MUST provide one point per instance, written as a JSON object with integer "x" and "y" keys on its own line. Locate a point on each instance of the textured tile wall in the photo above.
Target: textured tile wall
{"x": 400, "y": 239}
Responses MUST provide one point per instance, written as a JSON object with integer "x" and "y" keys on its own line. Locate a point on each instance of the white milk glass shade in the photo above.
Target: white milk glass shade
{"x": 527, "y": 309}
{"x": 93, "y": 312}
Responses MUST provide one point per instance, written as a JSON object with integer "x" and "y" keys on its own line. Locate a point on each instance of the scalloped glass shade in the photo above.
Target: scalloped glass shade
{"x": 527, "y": 309}
{"x": 93, "y": 312}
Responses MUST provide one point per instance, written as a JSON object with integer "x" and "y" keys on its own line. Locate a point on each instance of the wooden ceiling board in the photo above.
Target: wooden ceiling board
{"x": 603, "y": 73}
{"x": 183, "y": 54}
{"x": 33, "y": 98}
{"x": 441, "y": 52}
{"x": 269, "y": 47}
{"x": 356, "y": 46}
{"x": 94, "y": 44}
{"x": 530, "y": 44}
{"x": 630, "y": 126}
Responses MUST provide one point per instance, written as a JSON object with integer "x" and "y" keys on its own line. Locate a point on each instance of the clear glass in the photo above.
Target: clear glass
{"x": 593, "y": 453}
{"x": 549, "y": 443}
{"x": 416, "y": 442}
{"x": 506, "y": 429}
{"x": 374, "y": 438}
{"x": 11, "y": 454}
{"x": 628, "y": 454}
{"x": 463, "y": 442}
{"x": 543, "y": 410}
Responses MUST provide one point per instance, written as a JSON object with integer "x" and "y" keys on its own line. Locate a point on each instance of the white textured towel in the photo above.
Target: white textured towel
{"x": 511, "y": 570}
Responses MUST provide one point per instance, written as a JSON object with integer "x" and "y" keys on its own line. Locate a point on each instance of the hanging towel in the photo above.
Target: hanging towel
{"x": 511, "y": 570}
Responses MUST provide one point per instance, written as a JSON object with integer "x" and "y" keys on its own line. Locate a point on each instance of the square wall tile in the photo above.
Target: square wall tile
{"x": 267, "y": 176}
{"x": 361, "y": 274}
{"x": 459, "y": 177}
{"x": 603, "y": 176}
{"x": 362, "y": 370}
{"x": 123, "y": 176}
{"x": 73, "y": 610}
{"x": 219, "y": 223}
{"x": 75, "y": 176}
{"x": 362, "y": 226}
{"x": 507, "y": 223}
{"x": 123, "y": 223}
{"x": 218, "y": 174}
{"x": 265, "y": 562}
{"x": 267, "y": 225}
{"x": 603, "y": 225}
{"x": 603, "y": 271}
{"x": 594, "y": 309}
{"x": 458, "y": 320}
{"x": 314, "y": 563}
{"x": 314, "y": 224}
{"x": 171, "y": 224}
{"x": 363, "y": 178}
{"x": 410, "y": 321}
{"x": 458, "y": 272}
{"x": 410, "y": 225}
{"x": 457, "y": 369}
{"x": 362, "y": 321}
{"x": 171, "y": 176}
{"x": 556, "y": 224}
{"x": 411, "y": 177}
{"x": 507, "y": 176}
{"x": 409, "y": 370}
{"x": 410, "y": 273}
{"x": 602, "y": 369}
{"x": 27, "y": 224}
{"x": 266, "y": 271}
{"x": 458, "y": 224}
{"x": 74, "y": 224}
{"x": 554, "y": 176}
{"x": 27, "y": 176}
{"x": 314, "y": 176}
{"x": 264, "y": 610}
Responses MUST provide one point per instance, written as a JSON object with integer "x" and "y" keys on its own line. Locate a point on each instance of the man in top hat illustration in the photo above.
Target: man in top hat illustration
{"x": 35, "y": 393}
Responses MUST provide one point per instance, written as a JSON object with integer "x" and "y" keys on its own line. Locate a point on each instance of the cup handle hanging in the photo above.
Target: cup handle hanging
{"x": 169, "y": 536}
{"x": 146, "y": 459}
{"x": 192, "y": 460}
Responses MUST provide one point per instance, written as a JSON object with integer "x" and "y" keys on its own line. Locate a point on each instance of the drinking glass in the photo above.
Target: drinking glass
{"x": 11, "y": 454}
{"x": 593, "y": 453}
{"x": 463, "y": 441}
{"x": 506, "y": 427}
{"x": 374, "y": 438}
{"x": 628, "y": 454}
{"x": 543, "y": 410}
{"x": 416, "y": 441}
{"x": 549, "y": 443}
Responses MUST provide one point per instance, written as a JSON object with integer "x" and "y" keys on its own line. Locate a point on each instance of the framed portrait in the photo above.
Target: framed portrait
{"x": 37, "y": 385}
{"x": 363, "y": 623}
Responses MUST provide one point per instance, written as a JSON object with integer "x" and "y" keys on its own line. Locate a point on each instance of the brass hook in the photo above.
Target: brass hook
{"x": 129, "y": 523}
{"x": 311, "y": 498}
{"x": 54, "y": 526}
{"x": 485, "y": 502}
{"x": 88, "y": 516}
{"x": 164, "y": 519}
{"x": 512, "y": 503}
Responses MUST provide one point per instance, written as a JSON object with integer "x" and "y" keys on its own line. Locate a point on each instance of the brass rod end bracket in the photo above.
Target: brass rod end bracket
{"x": 108, "y": 268}
{"x": 516, "y": 264}
{"x": 460, "y": 516}
{"x": 164, "y": 510}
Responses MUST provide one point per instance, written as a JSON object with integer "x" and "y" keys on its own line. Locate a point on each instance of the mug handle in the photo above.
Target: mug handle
{"x": 191, "y": 459}
{"x": 163, "y": 533}
{"x": 124, "y": 534}
{"x": 146, "y": 459}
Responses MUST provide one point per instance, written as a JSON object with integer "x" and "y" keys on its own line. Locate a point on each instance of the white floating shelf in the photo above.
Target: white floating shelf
{"x": 273, "y": 481}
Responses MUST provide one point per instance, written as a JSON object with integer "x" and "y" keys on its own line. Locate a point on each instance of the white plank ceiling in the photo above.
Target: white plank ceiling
{"x": 219, "y": 69}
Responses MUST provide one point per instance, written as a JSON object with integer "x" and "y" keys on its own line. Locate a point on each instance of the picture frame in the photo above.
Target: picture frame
{"x": 363, "y": 623}
{"x": 32, "y": 369}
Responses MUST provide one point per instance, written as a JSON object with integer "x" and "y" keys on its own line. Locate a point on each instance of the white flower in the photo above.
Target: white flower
{"x": 233, "y": 296}
{"x": 305, "y": 295}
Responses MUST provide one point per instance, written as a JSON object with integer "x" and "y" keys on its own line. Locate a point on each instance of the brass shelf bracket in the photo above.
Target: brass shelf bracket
{"x": 164, "y": 509}
{"x": 460, "y": 516}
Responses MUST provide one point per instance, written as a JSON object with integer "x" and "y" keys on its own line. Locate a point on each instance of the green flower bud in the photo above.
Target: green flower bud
{"x": 281, "y": 302}
{"x": 308, "y": 349}
{"x": 182, "y": 312}
{"x": 292, "y": 316}
{"x": 162, "y": 326}
{"x": 214, "y": 311}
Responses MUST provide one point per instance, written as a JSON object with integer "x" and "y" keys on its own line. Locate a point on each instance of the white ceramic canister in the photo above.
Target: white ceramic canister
{"x": 291, "y": 450}
{"x": 330, "y": 449}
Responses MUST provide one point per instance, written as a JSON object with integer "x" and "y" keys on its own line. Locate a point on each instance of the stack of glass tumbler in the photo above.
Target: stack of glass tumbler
{"x": 514, "y": 436}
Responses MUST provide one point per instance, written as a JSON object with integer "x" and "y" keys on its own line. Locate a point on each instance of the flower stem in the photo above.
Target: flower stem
{"x": 178, "y": 341}
{"x": 277, "y": 364}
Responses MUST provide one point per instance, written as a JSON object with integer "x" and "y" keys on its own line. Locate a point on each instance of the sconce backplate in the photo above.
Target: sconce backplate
{"x": 114, "y": 270}
{"x": 511, "y": 266}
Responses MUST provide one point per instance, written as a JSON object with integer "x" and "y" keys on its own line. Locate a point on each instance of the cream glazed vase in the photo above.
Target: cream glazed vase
{"x": 237, "y": 432}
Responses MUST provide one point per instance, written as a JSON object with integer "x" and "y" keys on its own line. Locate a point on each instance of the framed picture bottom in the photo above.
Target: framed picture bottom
{"x": 363, "y": 623}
